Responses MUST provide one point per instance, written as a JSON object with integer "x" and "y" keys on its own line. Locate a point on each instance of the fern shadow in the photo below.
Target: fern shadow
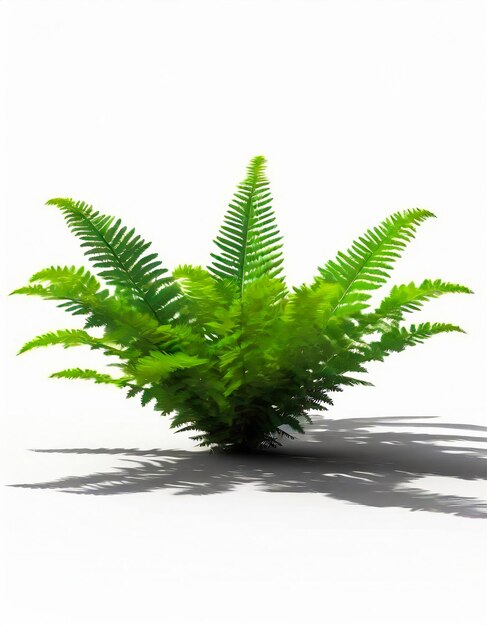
{"x": 371, "y": 461}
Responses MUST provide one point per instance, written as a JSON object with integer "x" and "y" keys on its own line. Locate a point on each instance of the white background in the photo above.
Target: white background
{"x": 151, "y": 110}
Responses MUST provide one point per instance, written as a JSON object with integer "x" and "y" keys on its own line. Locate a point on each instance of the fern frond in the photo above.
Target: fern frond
{"x": 409, "y": 298}
{"x": 400, "y": 337}
{"x": 249, "y": 240}
{"x": 67, "y": 338}
{"x": 88, "y": 374}
{"x": 160, "y": 364}
{"x": 78, "y": 292}
{"x": 313, "y": 303}
{"x": 121, "y": 257}
{"x": 204, "y": 297}
{"x": 54, "y": 282}
{"x": 366, "y": 264}
{"x": 76, "y": 287}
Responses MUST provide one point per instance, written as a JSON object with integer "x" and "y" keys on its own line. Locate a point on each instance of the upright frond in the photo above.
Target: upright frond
{"x": 121, "y": 256}
{"x": 249, "y": 241}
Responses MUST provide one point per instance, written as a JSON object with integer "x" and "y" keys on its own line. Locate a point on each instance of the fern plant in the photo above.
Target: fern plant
{"x": 229, "y": 352}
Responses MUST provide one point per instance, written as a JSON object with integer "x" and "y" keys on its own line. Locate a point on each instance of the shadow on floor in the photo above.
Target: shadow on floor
{"x": 370, "y": 461}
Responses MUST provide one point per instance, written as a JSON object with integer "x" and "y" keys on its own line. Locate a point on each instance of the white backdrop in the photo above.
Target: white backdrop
{"x": 150, "y": 110}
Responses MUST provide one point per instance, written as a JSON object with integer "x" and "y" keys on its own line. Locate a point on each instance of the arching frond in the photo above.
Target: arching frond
{"x": 54, "y": 282}
{"x": 76, "y": 288}
{"x": 400, "y": 337}
{"x": 88, "y": 374}
{"x": 121, "y": 256}
{"x": 79, "y": 294}
{"x": 67, "y": 338}
{"x": 366, "y": 264}
{"x": 249, "y": 240}
{"x": 411, "y": 297}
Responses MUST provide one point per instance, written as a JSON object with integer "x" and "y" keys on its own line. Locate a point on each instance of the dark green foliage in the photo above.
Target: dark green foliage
{"x": 229, "y": 352}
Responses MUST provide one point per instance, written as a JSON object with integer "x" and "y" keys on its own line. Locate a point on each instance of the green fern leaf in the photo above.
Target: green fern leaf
{"x": 54, "y": 282}
{"x": 88, "y": 374}
{"x": 249, "y": 240}
{"x": 313, "y": 302}
{"x": 203, "y": 297}
{"x": 160, "y": 364}
{"x": 67, "y": 338}
{"x": 121, "y": 257}
{"x": 79, "y": 293}
{"x": 409, "y": 298}
{"x": 366, "y": 264}
{"x": 400, "y": 337}
{"x": 76, "y": 287}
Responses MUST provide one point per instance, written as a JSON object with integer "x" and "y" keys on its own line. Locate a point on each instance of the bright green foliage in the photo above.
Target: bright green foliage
{"x": 249, "y": 238}
{"x": 158, "y": 365}
{"x": 67, "y": 338}
{"x": 229, "y": 352}
{"x": 76, "y": 372}
{"x": 409, "y": 298}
